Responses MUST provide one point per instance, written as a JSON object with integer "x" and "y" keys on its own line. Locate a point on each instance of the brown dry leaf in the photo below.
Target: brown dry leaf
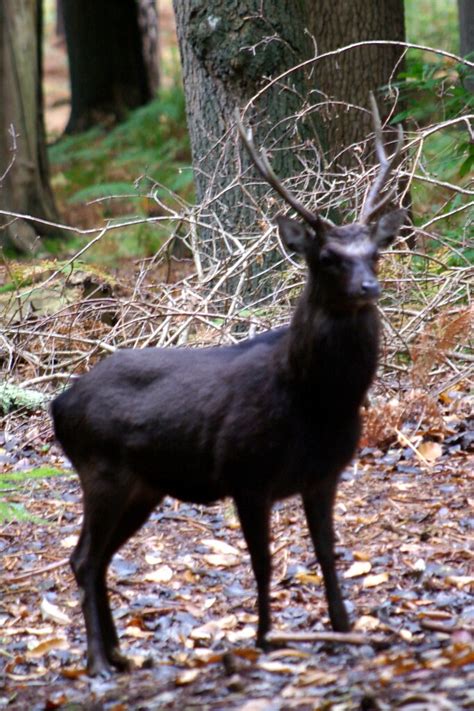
{"x": 187, "y": 677}
{"x": 224, "y": 560}
{"x": 313, "y": 677}
{"x": 366, "y": 623}
{"x": 218, "y": 546}
{"x": 371, "y": 581}
{"x": 277, "y": 667}
{"x": 53, "y": 612}
{"x": 136, "y": 632}
{"x": 69, "y": 541}
{"x": 309, "y": 578}
{"x": 44, "y": 647}
{"x": 360, "y": 567}
{"x": 297, "y": 653}
{"x": 242, "y": 635}
{"x": 214, "y": 628}
{"x": 431, "y": 451}
{"x": 163, "y": 574}
{"x": 460, "y": 580}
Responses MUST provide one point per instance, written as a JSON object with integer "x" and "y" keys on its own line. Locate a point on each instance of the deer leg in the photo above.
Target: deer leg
{"x": 254, "y": 518}
{"x": 318, "y": 507}
{"x": 110, "y": 519}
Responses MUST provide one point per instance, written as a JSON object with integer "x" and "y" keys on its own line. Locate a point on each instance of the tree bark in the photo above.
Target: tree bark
{"x": 24, "y": 172}
{"x": 107, "y": 67}
{"x": 349, "y": 76}
{"x": 466, "y": 35}
{"x": 229, "y": 51}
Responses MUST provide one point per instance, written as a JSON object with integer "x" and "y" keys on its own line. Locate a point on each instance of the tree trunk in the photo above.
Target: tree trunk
{"x": 24, "y": 173}
{"x": 349, "y": 76}
{"x": 229, "y": 51}
{"x": 466, "y": 35}
{"x": 106, "y": 61}
{"x": 148, "y": 20}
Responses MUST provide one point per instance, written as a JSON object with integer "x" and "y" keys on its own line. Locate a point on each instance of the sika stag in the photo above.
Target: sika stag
{"x": 269, "y": 418}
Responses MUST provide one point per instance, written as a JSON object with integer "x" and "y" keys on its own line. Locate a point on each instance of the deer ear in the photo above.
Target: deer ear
{"x": 295, "y": 235}
{"x": 386, "y": 228}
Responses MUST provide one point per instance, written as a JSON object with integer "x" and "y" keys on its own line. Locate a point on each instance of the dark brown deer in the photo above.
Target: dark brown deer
{"x": 263, "y": 420}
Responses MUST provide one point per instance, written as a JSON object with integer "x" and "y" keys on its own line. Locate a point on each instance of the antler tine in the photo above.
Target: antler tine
{"x": 371, "y": 206}
{"x": 261, "y": 162}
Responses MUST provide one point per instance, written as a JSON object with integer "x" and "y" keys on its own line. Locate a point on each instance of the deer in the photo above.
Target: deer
{"x": 271, "y": 417}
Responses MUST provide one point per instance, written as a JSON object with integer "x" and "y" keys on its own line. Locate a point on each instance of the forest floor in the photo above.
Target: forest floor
{"x": 183, "y": 593}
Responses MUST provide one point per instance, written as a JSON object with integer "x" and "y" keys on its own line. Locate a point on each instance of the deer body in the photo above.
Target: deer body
{"x": 269, "y": 418}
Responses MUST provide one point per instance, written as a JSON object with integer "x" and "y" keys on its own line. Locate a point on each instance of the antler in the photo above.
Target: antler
{"x": 261, "y": 162}
{"x": 371, "y": 206}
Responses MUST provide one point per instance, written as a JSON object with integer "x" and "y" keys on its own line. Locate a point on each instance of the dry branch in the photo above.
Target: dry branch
{"x": 243, "y": 289}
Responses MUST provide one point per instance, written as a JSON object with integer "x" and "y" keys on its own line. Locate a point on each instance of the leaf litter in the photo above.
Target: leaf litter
{"x": 184, "y": 596}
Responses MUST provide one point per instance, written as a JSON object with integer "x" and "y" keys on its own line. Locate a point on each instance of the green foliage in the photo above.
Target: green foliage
{"x": 433, "y": 23}
{"x": 434, "y": 97}
{"x": 19, "y": 482}
{"x": 116, "y": 170}
{"x": 153, "y": 140}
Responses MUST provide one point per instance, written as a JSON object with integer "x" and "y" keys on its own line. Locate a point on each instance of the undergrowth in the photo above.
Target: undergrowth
{"x": 108, "y": 174}
{"x": 13, "y": 485}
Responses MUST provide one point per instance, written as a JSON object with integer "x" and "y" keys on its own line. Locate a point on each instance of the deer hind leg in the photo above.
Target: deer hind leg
{"x": 112, "y": 514}
{"x": 254, "y": 518}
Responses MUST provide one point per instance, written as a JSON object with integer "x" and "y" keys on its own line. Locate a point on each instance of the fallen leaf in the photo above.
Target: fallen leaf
{"x": 360, "y": 567}
{"x": 371, "y": 581}
{"x": 224, "y": 560}
{"x": 281, "y": 668}
{"x": 460, "y": 581}
{"x": 163, "y": 574}
{"x": 366, "y": 623}
{"x": 69, "y": 541}
{"x": 44, "y": 647}
{"x": 53, "y": 612}
{"x": 242, "y": 635}
{"x": 214, "y": 628}
{"x": 316, "y": 678}
{"x": 136, "y": 632}
{"x": 309, "y": 578}
{"x": 431, "y": 451}
{"x": 186, "y": 677}
{"x": 218, "y": 546}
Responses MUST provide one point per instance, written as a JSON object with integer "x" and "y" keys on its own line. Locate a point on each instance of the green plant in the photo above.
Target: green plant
{"x": 19, "y": 482}
{"x": 116, "y": 170}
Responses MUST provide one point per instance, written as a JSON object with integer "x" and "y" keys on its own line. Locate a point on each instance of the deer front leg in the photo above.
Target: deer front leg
{"x": 318, "y": 506}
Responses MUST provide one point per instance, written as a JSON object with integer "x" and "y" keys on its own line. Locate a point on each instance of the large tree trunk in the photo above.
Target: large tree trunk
{"x": 24, "y": 175}
{"x": 349, "y": 76}
{"x": 106, "y": 61}
{"x": 466, "y": 35}
{"x": 229, "y": 50}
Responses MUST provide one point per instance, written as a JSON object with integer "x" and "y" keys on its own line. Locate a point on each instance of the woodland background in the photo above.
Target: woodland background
{"x": 138, "y": 226}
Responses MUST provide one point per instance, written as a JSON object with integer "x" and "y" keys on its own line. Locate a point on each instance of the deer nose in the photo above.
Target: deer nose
{"x": 370, "y": 289}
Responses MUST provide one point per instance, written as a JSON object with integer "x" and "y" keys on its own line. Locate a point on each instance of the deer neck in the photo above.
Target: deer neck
{"x": 331, "y": 354}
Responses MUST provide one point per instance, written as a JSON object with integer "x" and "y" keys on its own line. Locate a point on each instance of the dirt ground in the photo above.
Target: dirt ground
{"x": 184, "y": 597}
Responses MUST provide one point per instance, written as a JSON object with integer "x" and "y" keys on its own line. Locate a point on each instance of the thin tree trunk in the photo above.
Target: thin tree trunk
{"x": 106, "y": 61}
{"x": 24, "y": 172}
{"x": 148, "y": 20}
{"x": 350, "y": 76}
{"x": 466, "y": 35}
{"x": 229, "y": 51}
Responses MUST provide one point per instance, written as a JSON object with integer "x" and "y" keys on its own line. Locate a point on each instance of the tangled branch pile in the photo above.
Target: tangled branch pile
{"x": 70, "y": 315}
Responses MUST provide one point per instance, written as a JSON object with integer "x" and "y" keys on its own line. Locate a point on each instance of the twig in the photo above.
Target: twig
{"x": 354, "y": 638}
{"x": 9, "y": 580}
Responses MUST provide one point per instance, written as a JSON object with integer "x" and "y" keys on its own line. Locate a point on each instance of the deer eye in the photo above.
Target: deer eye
{"x": 327, "y": 258}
